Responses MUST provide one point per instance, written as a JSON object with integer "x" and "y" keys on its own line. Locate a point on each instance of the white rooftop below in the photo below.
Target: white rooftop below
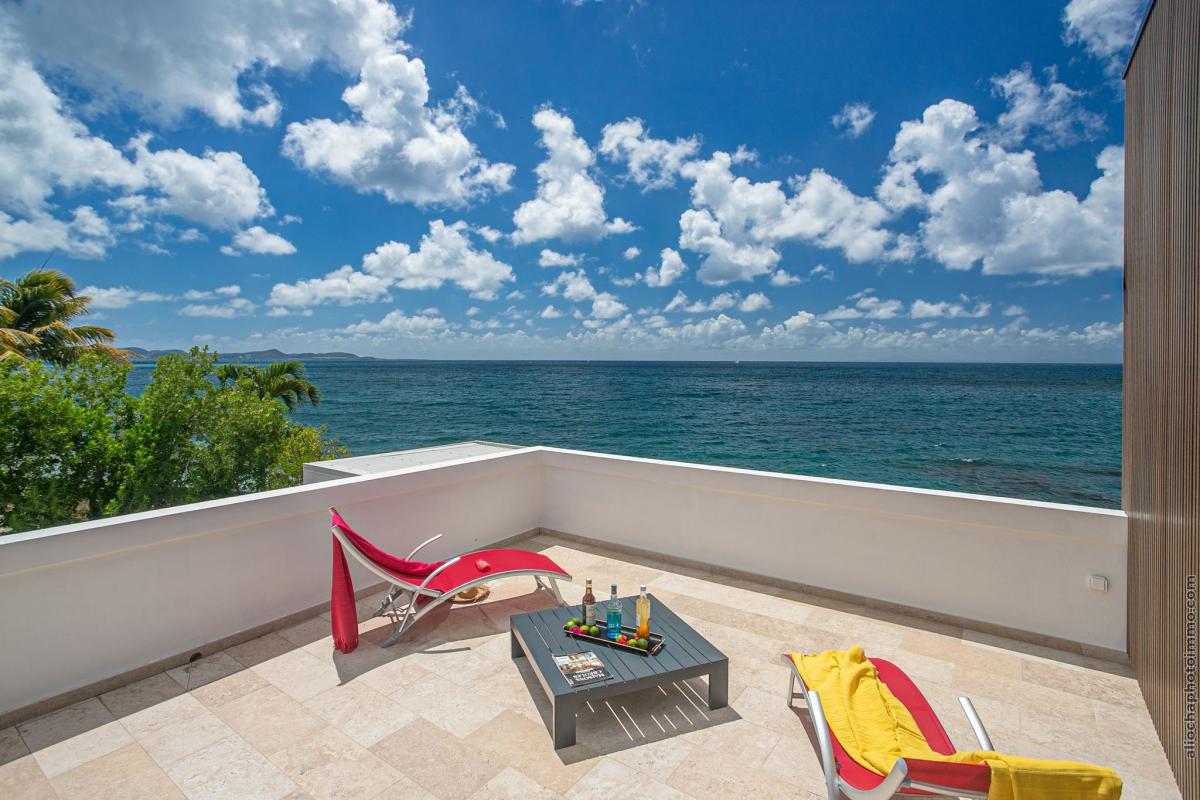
{"x": 317, "y": 471}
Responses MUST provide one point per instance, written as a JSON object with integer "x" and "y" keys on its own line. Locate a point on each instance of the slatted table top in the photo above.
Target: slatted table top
{"x": 685, "y": 654}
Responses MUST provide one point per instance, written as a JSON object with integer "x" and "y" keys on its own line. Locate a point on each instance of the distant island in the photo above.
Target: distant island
{"x": 142, "y": 354}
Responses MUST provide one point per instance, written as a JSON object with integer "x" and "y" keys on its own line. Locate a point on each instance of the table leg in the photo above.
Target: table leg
{"x": 517, "y": 652}
{"x": 564, "y": 722}
{"x": 718, "y": 685}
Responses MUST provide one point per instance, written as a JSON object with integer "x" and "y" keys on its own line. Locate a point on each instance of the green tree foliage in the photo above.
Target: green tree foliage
{"x": 282, "y": 380}
{"x": 74, "y": 446}
{"x": 35, "y": 315}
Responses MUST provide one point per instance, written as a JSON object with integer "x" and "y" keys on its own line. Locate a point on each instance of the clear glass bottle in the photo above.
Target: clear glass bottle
{"x": 643, "y": 614}
{"x": 613, "y": 626}
{"x": 589, "y": 605}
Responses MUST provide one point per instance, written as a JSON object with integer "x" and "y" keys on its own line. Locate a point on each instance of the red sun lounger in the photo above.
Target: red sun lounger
{"x": 910, "y": 777}
{"x": 418, "y": 588}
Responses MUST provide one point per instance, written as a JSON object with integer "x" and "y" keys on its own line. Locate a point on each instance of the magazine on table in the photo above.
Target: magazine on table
{"x": 582, "y": 668}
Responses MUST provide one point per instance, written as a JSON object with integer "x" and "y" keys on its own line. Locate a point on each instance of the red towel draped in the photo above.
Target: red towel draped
{"x": 342, "y": 612}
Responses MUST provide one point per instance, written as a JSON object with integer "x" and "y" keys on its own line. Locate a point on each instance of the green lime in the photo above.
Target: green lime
{"x": 594, "y": 631}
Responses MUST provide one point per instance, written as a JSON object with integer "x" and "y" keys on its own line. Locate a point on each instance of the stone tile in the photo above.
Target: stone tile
{"x": 229, "y": 688}
{"x": 205, "y": 670}
{"x": 73, "y": 736}
{"x": 270, "y": 720}
{"x": 12, "y": 746}
{"x": 1087, "y": 683}
{"x": 141, "y": 695}
{"x": 448, "y": 705}
{"x": 404, "y": 789}
{"x": 519, "y": 742}
{"x": 22, "y": 779}
{"x": 768, "y": 710}
{"x": 330, "y": 766}
{"x": 511, "y": 784}
{"x": 656, "y": 758}
{"x": 175, "y": 728}
{"x": 395, "y": 675}
{"x": 227, "y": 769}
{"x": 299, "y": 674}
{"x": 722, "y": 773}
{"x": 440, "y": 762}
{"x": 125, "y": 774}
{"x": 753, "y": 743}
{"x": 261, "y": 649}
{"x": 360, "y": 712}
{"x": 796, "y": 761}
{"x": 607, "y": 778}
{"x": 313, "y": 629}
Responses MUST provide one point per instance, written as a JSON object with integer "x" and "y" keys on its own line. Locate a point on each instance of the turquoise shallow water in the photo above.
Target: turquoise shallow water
{"x": 1042, "y": 432}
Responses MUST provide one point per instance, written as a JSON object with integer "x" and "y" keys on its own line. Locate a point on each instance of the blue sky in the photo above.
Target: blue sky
{"x": 546, "y": 179}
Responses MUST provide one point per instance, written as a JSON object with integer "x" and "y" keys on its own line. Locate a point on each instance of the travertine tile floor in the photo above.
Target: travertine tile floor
{"x": 448, "y": 714}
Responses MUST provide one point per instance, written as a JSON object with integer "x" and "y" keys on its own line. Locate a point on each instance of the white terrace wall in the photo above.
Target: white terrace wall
{"x": 1014, "y": 563}
{"x": 82, "y": 603}
{"x": 85, "y": 602}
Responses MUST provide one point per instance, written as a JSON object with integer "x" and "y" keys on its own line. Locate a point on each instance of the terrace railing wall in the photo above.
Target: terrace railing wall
{"x": 111, "y": 597}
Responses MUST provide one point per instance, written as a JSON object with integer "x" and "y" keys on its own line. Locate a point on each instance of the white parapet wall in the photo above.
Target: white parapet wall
{"x": 86, "y": 602}
{"x": 1013, "y": 563}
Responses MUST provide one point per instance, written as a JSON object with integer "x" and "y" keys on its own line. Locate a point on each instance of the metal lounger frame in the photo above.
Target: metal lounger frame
{"x": 898, "y": 778}
{"x": 405, "y": 615}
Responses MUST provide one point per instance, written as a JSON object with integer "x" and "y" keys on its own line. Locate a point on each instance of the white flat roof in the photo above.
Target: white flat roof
{"x": 384, "y": 462}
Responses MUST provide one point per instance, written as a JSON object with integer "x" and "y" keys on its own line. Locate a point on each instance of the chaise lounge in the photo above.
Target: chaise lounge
{"x": 418, "y": 588}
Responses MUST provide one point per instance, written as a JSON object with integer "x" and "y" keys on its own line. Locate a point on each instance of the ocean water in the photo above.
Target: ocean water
{"x": 1041, "y": 432}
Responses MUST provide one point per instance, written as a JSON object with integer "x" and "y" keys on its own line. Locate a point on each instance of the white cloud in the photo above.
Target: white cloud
{"x": 669, "y": 270}
{"x": 782, "y": 277}
{"x": 922, "y": 309}
{"x": 396, "y": 324}
{"x": 854, "y": 119}
{"x": 232, "y": 290}
{"x": 46, "y": 149}
{"x": 551, "y": 258}
{"x": 1014, "y": 311}
{"x": 1051, "y": 112}
{"x": 650, "y": 163}
{"x": 631, "y": 253}
{"x": 569, "y": 204}
{"x": 550, "y": 312}
{"x": 85, "y": 235}
{"x": 756, "y": 301}
{"x": 739, "y": 224}
{"x": 988, "y": 204}
{"x": 121, "y": 296}
{"x": 1105, "y": 28}
{"x": 576, "y": 286}
{"x": 396, "y": 144}
{"x": 445, "y": 255}
{"x": 489, "y": 234}
{"x": 258, "y": 240}
{"x": 235, "y": 307}
{"x": 866, "y": 306}
{"x": 344, "y": 285}
{"x": 472, "y": 311}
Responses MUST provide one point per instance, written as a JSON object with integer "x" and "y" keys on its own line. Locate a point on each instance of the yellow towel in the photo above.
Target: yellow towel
{"x": 875, "y": 729}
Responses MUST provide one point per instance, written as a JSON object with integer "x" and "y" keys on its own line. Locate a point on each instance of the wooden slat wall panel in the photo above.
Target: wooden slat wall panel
{"x": 1162, "y": 369}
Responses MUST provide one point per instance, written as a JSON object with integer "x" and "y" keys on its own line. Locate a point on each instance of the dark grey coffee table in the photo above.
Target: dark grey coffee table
{"x": 539, "y": 636}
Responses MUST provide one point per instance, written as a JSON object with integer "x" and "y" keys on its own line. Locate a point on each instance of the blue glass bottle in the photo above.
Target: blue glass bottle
{"x": 613, "y": 622}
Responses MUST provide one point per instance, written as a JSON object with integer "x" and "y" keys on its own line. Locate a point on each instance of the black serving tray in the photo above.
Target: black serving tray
{"x": 657, "y": 641}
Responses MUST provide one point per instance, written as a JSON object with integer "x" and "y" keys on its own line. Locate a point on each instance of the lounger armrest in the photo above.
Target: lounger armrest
{"x": 985, "y": 741}
{"x": 433, "y": 538}
{"x": 949, "y": 778}
{"x": 888, "y": 788}
{"x": 424, "y": 587}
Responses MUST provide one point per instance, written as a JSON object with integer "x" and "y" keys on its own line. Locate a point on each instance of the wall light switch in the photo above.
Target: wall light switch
{"x": 1097, "y": 583}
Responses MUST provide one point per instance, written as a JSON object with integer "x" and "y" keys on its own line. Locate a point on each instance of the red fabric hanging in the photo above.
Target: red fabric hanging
{"x": 343, "y": 614}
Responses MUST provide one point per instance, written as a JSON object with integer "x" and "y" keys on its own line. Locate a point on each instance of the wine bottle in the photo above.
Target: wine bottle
{"x": 589, "y": 605}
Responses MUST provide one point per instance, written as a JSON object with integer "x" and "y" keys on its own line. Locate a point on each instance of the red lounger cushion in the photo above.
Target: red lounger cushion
{"x": 499, "y": 562}
{"x": 968, "y": 777}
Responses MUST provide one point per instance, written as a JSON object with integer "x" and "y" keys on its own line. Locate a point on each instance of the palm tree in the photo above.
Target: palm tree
{"x": 35, "y": 314}
{"x": 282, "y": 380}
